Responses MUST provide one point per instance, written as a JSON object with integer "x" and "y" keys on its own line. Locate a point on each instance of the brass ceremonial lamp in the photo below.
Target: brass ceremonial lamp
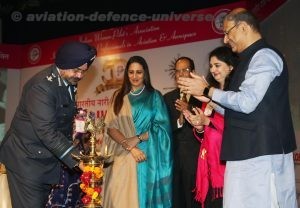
{"x": 91, "y": 178}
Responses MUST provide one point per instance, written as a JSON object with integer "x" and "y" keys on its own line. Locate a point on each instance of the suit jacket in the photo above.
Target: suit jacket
{"x": 186, "y": 150}
{"x": 39, "y": 137}
{"x": 184, "y": 133}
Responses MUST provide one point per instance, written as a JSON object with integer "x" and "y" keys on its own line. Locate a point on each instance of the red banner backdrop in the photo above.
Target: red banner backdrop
{"x": 165, "y": 30}
{"x": 11, "y": 56}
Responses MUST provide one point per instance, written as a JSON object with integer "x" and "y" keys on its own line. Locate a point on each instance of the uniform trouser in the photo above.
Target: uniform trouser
{"x": 26, "y": 193}
{"x": 262, "y": 182}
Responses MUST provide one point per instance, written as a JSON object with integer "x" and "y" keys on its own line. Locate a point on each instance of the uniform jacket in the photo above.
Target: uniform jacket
{"x": 39, "y": 138}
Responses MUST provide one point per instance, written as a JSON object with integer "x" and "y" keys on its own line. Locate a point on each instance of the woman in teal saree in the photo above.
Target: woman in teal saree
{"x": 138, "y": 135}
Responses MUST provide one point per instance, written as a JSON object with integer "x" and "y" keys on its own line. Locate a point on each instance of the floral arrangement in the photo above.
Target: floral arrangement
{"x": 91, "y": 179}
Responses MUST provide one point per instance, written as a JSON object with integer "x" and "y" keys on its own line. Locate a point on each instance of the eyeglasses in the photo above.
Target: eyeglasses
{"x": 186, "y": 70}
{"x": 228, "y": 31}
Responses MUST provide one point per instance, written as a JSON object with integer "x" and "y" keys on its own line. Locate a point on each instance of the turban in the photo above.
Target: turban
{"x": 74, "y": 54}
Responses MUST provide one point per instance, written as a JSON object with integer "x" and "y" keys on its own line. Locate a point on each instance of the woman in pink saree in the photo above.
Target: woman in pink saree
{"x": 208, "y": 125}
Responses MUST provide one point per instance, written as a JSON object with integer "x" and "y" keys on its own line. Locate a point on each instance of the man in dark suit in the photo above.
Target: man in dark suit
{"x": 40, "y": 135}
{"x": 186, "y": 146}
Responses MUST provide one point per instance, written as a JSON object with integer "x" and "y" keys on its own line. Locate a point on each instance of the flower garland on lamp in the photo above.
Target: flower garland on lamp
{"x": 91, "y": 180}
{"x": 92, "y": 176}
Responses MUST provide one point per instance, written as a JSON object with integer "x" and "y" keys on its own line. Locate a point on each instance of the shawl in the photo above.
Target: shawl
{"x": 210, "y": 169}
{"x": 120, "y": 178}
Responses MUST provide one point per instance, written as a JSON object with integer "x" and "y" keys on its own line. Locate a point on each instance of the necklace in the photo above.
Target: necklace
{"x": 136, "y": 94}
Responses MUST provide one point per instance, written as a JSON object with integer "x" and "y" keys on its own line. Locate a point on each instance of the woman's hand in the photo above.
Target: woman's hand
{"x": 197, "y": 118}
{"x": 144, "y": 136}
{"x": 138, "y": 154}
{"x": 133, "y": 141}
{"x": 194, "y": 117}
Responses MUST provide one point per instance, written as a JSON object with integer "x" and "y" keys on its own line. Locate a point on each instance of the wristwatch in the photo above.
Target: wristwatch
{"x": 206, "y": 91}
